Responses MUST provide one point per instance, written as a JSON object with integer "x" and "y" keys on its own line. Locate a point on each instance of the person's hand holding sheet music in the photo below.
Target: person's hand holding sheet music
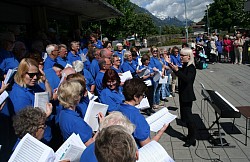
{"x": 160, "y": 132}
{"x": 54, "y": 95}
{"x": 3, "y": 87}
{"x": 48, "y": 109}
{"x": 100, "y": 117}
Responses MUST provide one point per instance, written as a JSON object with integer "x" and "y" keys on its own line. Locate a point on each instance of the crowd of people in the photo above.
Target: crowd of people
{"x": 93, "y": 66}
{"x": 222, "y": 49}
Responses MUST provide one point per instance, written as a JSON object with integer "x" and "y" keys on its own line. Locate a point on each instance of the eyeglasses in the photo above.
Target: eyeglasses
{"x": 182, "y": 55}
{"x": 155, "y": 51}
{"x": 43, "y": 126}
{"x": 31, "y": 75}
{"x": 117, "y": 60}
{"x": 111, "y": 82}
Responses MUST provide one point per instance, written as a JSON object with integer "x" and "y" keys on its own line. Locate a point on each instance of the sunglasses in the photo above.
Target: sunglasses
{"x": 182, "y": 55}
{"x": 155, "y": 51}
{"x": 31, "y": 75}
{"x": 111, "y": 82}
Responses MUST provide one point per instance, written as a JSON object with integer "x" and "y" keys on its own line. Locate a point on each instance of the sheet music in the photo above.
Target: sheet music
{"x": 62, "y": 79}
{"x": 83, "y": 57}
{"x": 126, "y": 76}
{"x": 68, "y": 65}
{"x": 158, "y": 119}
{"x": 91, "y": 96}
{"x": 30, "y": 149}
{"x": 41, "y": 99}
{"x": 153, "y": 152}
{"x": 144, "y": 72}
{"x": 91, "y": 116}
{"x": 157, "y": 76}
{"x": 74, "y": 140}
{"x": 10, "y": 75}
{"x": 143, "y": 104}
{"x": 73, "y": 153}
{"x": 163, "y": 80}
{"x": 3, "y": 96}
{"x": 235, "y": 109}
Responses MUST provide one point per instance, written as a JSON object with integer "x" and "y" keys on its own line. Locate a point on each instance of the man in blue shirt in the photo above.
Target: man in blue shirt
{"x": 176, "y": 60}
{"x": 104, "y": 64}
{"x": 62, "y": 55}
{"x": 94, "y": 67}
{"x": 73, "y": 53}
{"x": 53, "y": 75}
{"x": 7, "y": 58}
{"x": 52, "y": 51}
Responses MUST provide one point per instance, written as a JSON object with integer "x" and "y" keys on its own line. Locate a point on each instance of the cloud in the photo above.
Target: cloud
{"x": 175, "y": 8}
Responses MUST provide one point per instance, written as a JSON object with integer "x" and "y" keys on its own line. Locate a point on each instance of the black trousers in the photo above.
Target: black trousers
{"x": 188, "y": 118}
{"x": 150, "y": 95}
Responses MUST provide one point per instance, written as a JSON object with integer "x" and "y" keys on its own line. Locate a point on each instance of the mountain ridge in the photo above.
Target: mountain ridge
{"x": 159, "y": 22}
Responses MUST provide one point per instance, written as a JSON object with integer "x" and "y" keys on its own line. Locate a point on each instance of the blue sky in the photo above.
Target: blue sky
{"x": 175, "y": 8}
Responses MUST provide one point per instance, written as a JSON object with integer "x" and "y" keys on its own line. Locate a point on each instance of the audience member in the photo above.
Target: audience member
{"x": 52, "y": 51}
{"x": 111, "y": 94}
{"x": 114, "y": 143}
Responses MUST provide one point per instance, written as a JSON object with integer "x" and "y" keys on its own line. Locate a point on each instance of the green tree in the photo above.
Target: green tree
{"x": 126, "y": 25}
{"x": 225, "y": 14}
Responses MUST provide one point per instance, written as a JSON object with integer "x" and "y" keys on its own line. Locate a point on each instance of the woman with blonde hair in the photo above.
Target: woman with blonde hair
{"x": 69, "y": 96}
{"x": 186, "y": 76}
{"x": 157, "y": 66}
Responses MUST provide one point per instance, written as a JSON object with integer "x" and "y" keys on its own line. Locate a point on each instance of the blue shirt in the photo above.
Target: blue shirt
{"x": 53, "y": 79}
{"x": 155, "y": 62}
{"x": 62, "y": 61}
{"x": 88, "y": 154}
{"x": 98, "y": 82}
{"x": 94, "y": 68}
{"x": 49, "y": 62}
{"x": 7, "y": 61}
{"x": 120, "y": 55}
{"x": 87, "y": 64}
{"x": 176, "y": 60}
{"x": 142, "y": 129}
{"x": 71, "y": 122}
{"x": 89, "y": 79}
{"x": 117, "y": 70}
{"x": 82, "y": 106}
{"x": 71, "y": 57}
{"x": 22, "y": 97}
{"x": 150, "y": 69}
{"x": 98, "y": 44}
{"x": 129, "y": 66}
{"x": 111, "y": 98}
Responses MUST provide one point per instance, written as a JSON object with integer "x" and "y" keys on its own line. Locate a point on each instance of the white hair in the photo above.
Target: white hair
{"x": 117, "y": 118}
{"x": 50, "y": 48}
{"x": 188, "y": 51}
{"x": 78, "y": 66}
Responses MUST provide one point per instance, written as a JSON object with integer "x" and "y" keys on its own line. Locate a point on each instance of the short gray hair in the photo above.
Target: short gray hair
{"x": 50, "y": 48}
{"x": 78, "y": 66}
{"x": 117, "y": 118}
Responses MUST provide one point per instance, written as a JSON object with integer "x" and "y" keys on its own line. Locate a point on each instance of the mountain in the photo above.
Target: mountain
{"x": 161, "y": 22}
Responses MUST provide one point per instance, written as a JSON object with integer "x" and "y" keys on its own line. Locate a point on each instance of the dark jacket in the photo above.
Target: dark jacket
{"x": 186, "y": 76}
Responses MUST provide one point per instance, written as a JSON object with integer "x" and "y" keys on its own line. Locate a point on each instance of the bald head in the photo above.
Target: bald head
{"x": 68, "y": 71}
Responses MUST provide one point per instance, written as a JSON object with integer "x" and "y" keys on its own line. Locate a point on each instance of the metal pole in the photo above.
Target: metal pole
{"x": 207, "y": 21}
{"x": 186, "y": 21}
